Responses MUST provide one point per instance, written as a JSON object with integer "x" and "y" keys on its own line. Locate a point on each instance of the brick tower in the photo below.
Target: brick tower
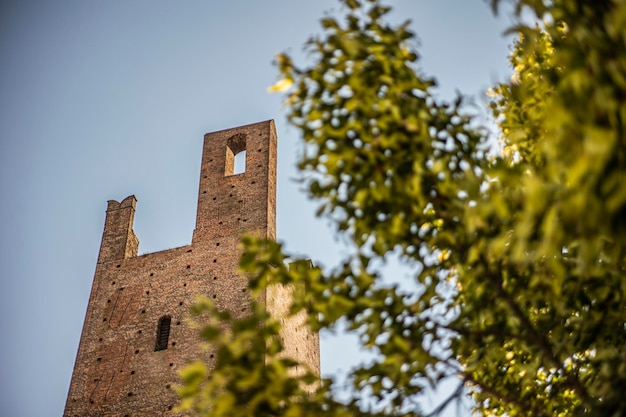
{"x": 135, "y": 337}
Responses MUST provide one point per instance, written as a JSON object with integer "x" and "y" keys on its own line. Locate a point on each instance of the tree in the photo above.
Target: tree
{"x": 519, "y": 254}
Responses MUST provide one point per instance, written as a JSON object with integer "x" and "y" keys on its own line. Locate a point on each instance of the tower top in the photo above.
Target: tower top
{"x": 230, "y": 202}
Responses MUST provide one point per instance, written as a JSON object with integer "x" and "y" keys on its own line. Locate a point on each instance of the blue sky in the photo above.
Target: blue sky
{"x": 103, "y": 99}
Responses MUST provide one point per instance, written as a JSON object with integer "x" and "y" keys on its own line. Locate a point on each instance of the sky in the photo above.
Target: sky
{"x": 103, "y": 99}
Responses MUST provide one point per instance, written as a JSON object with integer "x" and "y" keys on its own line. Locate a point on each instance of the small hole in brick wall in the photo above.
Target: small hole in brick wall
{"x": 100, "y": 340}
{"x": 245, "y": 220}
{"x": 253, "y": 182}
{"x": 147, "y": 292}
{"x": 143, "y": 311}
{"x": 108, "y": 301}
{"x": 210, "y": 160}
{"x": 130, "y": 394}
{"x": 151, "y": 274}
{"x": 185, "y": 284}
{"x": 118, "y": 265}
{"x": 188, "y": 266}
{"x": 139, "y": 331}
{"x": 243, "y": 290}
{"x": 113, "y": 283}
{"x": 121, "y": 288}
{"x": 238, "y": 218}
{"x": 205, "y": 176}
{"x": 132, "y": 372}
{"x": 169, "y": 407}
{"x": 178, "y": 323}
{"x": 221, "y": 223}
{"x": 214, "y": 296}
{"x": 232, "y": 186}
{"x": 214, "y": 278}
{"x": 214, "y": 260}
{"x": 217, "y": 244}
{"x": 243, "y": 309}
{"x": 104, "y": 319}
{"x": 230, "y": 195}
{"x": 203, "y": 192}
{"x": 240, "y": 201}
{"x": 173, "y": 344}
{"x": 171, "y": 364}
{"x": 99, "y": 359}
{"x": 167, "y": 386}
{"x": 180, "y": 304}
{"x": 137, "y": 351}
{"x": 211, "y": 356}
{"x": 90, "y": 401}
{"x": 259, "y": 150}
{"x": 188, "y": 250}
{"x": 214, "y": 198}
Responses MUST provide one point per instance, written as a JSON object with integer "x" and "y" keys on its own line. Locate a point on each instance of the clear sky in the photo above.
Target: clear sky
{"x": 103, "y": 99}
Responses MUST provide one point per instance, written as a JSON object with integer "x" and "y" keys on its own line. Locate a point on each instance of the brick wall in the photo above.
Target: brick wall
{"x": 118, "y": 372}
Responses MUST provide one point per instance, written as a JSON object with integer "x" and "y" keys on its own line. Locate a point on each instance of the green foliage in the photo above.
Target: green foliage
{"x": 519, "y": 256}
{"x": 239, "y": 384}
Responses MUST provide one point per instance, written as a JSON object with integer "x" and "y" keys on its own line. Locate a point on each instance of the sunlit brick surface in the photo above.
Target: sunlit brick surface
{"x": 118, "y": 372}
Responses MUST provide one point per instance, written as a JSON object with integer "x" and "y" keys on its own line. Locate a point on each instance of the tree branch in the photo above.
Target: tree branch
{"x": 537, "y": 339}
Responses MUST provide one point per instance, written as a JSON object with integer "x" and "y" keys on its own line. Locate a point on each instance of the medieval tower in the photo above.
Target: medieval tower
{"x": 135, "y": 337}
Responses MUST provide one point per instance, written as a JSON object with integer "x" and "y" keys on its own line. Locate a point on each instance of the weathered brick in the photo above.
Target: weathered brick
{"x": 118, "y": 372}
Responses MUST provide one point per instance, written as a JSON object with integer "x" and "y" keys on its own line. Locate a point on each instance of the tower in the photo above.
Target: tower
{"x": 135, "y": 337}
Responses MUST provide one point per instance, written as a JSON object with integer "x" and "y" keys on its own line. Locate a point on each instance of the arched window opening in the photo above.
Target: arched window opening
{"x": 163, "y": 333}
{"x": 240, "y": 163}
{"x": 235, "y": 155}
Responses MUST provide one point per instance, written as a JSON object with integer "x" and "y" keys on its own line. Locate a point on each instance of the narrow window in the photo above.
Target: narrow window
{"x": 240, "y": 163}
{"x": 163, "y": 333}
{"x": 235, "y": 155}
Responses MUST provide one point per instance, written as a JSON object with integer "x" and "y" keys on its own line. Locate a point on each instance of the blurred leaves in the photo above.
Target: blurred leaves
{"x": 518, "y": 256}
